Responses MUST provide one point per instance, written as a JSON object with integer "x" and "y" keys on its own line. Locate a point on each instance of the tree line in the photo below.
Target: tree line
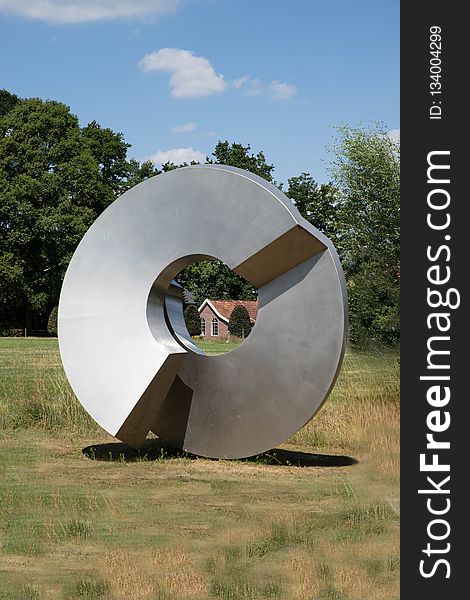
{"x": 56, "y": 177}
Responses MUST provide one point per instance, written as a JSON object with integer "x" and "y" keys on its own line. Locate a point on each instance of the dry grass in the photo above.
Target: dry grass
{"x": 175, "y": 527}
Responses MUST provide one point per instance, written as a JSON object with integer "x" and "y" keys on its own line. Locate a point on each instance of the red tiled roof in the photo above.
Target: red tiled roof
{"x": 225, "y": 307}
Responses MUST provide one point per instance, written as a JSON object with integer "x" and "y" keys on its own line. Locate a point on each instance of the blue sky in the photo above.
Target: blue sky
{"x": 177, "y": 75}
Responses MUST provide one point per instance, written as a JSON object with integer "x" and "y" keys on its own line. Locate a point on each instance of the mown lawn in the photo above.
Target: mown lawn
{"x": 213, "y": 347}
{"x": 83, "y": 517}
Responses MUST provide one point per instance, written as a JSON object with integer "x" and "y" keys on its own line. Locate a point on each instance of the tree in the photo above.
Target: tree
{"x": 366, "y": 170}
{"x": 109, "y": 150}
{"x": 169, "y": 166}
{"x": 136, "y": 173}
{"x": 52, "y": 321}
{"x": 239, "y": 323}
{"x": 55, "y": 179}
{"x": 316, "y": 203}
{"x": 192, "y": 320}
{"x": 7, "y": 101}
{"x": 213, "y": 279}
{"x": 237, "y": 155}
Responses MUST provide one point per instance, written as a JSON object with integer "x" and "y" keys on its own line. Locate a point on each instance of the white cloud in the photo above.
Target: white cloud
{"x": 177, "y": 156}
{"x": 276, "y": 90}
{"x": 255, "y": 87}
{"x": 190, "y": 75}
{"x": 80, "y": 11}
{"x": 237, "y": 83}
{"x": 281, "y": 91}
{"x": 185, "y": 128}
{"x": 193, "y": 76}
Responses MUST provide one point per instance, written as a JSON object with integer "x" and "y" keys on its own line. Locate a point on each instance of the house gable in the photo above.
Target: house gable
{"x": 208, "y": 303}
{"x": 216, "y": 315}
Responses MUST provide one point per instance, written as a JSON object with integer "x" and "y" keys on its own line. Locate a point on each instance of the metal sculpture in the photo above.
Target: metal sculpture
{"x": 123, "y": 342}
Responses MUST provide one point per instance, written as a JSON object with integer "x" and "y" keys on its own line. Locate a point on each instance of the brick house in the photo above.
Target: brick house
{"x": 215, "y": 315}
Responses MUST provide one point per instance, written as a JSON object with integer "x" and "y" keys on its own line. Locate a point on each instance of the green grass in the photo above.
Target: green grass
{"x": 34, "y": 390}
{"x": 213, "y": 347}
{"x": 112, "y": 524}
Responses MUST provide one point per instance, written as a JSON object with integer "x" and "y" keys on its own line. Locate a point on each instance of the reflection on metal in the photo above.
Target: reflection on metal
{"x": 122, "y": 337}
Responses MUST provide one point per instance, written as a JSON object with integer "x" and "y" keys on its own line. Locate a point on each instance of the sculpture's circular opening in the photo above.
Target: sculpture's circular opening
{"x": 208, "y": 308}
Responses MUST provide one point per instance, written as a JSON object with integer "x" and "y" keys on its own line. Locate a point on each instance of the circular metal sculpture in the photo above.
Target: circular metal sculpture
{"x": 123, "y": 342}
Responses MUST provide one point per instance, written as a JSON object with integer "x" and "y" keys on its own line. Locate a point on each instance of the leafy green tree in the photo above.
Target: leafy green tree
{"x": 109, "y": 150}
{"x": 316, "y": 203}
{"x": 239, "y": 323}
{"x": 136, "y": 173}
{"x": 169, "y": 166}
{"x": 237, "y": 155}
{"x": 54, "y": 181}
{"x": 7, "y": 101}
{"x": 192, "y": 320}
{"x": 213, "y": 279}
{"x": 366, "y": 169}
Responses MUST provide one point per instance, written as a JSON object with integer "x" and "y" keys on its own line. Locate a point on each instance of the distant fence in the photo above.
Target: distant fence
{"x": 18, "y": 332}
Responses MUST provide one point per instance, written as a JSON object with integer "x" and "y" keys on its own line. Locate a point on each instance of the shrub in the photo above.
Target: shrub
{"x": 239, "y": 323}
{"x": 192, "y": 320}
{"x": 52, "y": 322}
{"x": 6, "y": 331}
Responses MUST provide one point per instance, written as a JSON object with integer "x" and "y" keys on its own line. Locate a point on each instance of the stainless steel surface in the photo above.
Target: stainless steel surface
{"x": 124, "y": 346}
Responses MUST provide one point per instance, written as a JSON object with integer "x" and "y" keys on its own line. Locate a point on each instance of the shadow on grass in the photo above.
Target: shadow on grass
{"x": 156, "y": 449}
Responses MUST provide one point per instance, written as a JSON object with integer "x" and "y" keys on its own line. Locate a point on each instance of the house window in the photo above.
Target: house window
{"x": 215, "y": 327}
{"x": 203, "y": 326}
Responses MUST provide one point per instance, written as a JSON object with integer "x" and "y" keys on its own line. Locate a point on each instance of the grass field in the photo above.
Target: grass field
{"x": 83, "y": 517}
{"x": 213, "y": 347}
